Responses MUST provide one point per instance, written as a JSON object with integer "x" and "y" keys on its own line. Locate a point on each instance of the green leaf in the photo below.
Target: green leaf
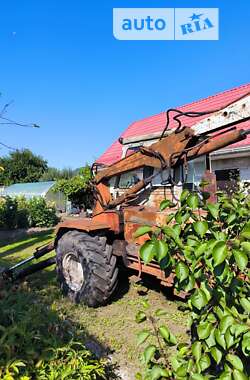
{"x": 205, "y": 362}
{"x": 197, "y": 376}
{"x": 211, "y": 318}
{"x": 170, "y": 232}
{"x": 246, "y": 246}
{"x": 225, "y": 322}
{"x": 160, "y": 312}
{"x": 169, "y": 218}
{"x": 239, "y": 329}
{"x": 143, "y": 230}
{"x": 167, "y": 336}
{"x": 157, "y": 373}
{"x": 225, "y": 376}
{"x": 140, "y": 317}
{"x": 220, "y": 338}
{"x": 185, "y": 193}
{"x": 216, "y": 354}
{"x": 145, "y": 304}
{"x": 164, "y": 204}
{"x": 149, "y": 353}
{"x": 142, "y": 336}
{"x": 161, "y": 248}
{"x": 200, "y": 250}
{"x": 229, "y": 338}
{"x": 231, "y": 218}
{"x": 199, "y": 299}
{"x": 245, "y": 233}
{"x": 181, "y": 371}
{"x": 219, "y": 253}
{"x": 192, "y": 241}
{"x": 235, "y": 361}
{"x": 204, "y": 329}
{"x": 245, "y": 303}
{"x": 241, "y": 259}
{"x": 246, "y": 344}
{"x": 165, "y": 333}
{"x": 210, "y": 341}
{"x": 177, "y": 229}
{"x": 172, "y": 339}
{"x": 196, "y": 350}
{"x": 147, "y": 251}
{"x": 214, "y": 210}
{"x": 193, "y": 201}
{"x": 239, "y": 375}
{"x": 181, "y": 271}
{"x": 200, "y": 228}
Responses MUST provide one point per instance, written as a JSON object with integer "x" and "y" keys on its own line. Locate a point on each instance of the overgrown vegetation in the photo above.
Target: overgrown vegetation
{"x": 207, "y": 246}
{"x": 77, "y": 189}
{"x": 23, "y": 213}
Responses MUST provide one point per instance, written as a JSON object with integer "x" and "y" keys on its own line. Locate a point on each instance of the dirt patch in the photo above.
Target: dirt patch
{"x": 114, "y": 325}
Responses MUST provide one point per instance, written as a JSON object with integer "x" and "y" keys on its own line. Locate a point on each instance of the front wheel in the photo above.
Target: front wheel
{"x": 86, "y": 268}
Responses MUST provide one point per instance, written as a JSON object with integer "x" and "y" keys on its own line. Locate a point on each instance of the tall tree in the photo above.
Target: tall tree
{"x": 54, "y": 174}
{"x": 22, "y": 166}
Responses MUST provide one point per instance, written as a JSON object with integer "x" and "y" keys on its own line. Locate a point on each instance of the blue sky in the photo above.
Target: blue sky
{"x": 65, "y": 71}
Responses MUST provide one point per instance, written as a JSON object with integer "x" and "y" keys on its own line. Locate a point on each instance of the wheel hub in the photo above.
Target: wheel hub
{"x": 73, "y": 272}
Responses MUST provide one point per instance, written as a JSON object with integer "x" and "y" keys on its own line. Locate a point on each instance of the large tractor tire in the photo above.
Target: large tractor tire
{"x": 86, "y": 268}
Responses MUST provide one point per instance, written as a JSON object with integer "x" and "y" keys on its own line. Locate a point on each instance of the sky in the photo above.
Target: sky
{"x": 64, "y": 70}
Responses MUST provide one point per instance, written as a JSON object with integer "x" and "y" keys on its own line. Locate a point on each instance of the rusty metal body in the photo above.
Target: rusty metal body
{"x": 118, "y": 212}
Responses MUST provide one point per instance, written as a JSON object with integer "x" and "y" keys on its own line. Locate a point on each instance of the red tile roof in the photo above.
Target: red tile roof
{"x": 157, "y": 123}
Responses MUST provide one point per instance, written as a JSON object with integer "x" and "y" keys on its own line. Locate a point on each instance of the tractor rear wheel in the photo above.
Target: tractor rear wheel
{"x": 86, "y": 268}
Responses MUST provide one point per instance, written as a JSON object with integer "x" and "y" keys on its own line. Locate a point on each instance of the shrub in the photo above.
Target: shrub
{"x": 22, "y": 213}
{"x": 41, "y": 214}
{"x": 8, "y": 213}
{"x": 207, "y": 246}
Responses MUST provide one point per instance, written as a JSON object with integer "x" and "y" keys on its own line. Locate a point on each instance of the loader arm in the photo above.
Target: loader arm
{"x": 181, "y": 145}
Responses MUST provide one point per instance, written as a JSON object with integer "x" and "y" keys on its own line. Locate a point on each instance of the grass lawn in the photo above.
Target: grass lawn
{"x": 106, "y": 330}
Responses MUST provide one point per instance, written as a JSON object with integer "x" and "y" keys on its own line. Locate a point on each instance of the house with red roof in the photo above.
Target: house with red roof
{"x": 229, "y": 164}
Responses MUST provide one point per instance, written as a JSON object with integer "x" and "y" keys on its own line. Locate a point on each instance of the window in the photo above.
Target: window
{"x": 228, "y": 179}
{"x": 129, "y": 179}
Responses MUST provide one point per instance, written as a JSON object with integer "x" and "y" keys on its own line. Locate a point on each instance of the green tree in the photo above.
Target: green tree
{"x": 54, "y": 174}
{"x": 77, "y": 189}
{"x": 22, "y": 166}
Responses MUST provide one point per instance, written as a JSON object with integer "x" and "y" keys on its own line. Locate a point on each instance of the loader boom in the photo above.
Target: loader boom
{"x": 182, "y": 145}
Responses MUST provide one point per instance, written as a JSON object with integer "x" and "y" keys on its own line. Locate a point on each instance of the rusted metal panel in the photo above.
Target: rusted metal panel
{"x": 135, "y": 217}
{"x": 102, "y": 196}
{"x": 211, "y": 186}
{"x": 83, "y": 224}
{"x": 110, "y": 218}
{"x": 105, "y": 221}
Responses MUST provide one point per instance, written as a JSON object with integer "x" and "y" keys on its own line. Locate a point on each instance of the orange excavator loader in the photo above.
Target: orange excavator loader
{"x": 89, "y": 251}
